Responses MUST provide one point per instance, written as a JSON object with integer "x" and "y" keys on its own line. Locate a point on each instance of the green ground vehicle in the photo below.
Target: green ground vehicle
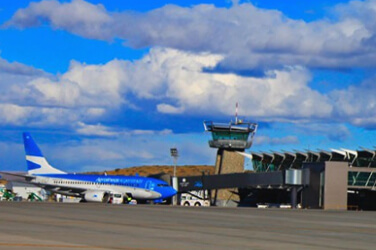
{"x": 34, "y": 197}
{"x": 7, "y": 195}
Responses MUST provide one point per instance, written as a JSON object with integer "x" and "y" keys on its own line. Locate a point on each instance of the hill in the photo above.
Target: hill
{"x": 187, "y": 170}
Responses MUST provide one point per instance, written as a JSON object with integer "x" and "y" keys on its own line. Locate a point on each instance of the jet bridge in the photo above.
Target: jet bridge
{"x": 277, "y": 180}
{"x": 236, "y": 180}
{"x": 319, "y": 185}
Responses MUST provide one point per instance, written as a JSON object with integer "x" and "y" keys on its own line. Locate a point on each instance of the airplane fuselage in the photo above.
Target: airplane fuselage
{"x": 139, "y": 187}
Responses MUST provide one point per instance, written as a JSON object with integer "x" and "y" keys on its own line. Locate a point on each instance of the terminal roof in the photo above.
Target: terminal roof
{"x": 363, "y": 157}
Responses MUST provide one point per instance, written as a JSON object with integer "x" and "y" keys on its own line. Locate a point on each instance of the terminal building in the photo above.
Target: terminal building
{"x": 325, "y": 179}
{"x": 357, "y": 168}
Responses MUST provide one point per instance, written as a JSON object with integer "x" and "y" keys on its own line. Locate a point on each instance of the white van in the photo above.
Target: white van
{"x": 116, "y": 198}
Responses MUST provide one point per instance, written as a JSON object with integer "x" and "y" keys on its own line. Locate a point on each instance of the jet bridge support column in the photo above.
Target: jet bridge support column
{"x": 294, "y": 197}
{"x": 295, "y": 178}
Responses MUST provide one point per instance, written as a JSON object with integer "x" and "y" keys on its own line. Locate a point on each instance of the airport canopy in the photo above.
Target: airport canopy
{"x": 294, "y": 159}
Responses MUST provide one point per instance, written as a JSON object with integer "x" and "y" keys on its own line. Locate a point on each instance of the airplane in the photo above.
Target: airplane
{"x": 91, "y": 188}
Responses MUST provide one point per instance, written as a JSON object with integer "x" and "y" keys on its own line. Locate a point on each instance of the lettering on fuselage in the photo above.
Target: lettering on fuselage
{"x": 107, "y": 180}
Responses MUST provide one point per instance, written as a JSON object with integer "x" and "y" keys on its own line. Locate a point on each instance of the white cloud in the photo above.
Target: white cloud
{"x": 16, "y": 68}
{"x": 50, "y": 93}
{"x": 78, "y": 16}
{"x": 167, "y": 108}
{"x": 283, "y": 93}
{"x": 84, "y": 92}
{"x": 98, "y": 130}
{"x": 247, "y": 37}
{"x": 356, "y": 104}
{"x": 177, "y": 83}
{"x": 12, "y": 114}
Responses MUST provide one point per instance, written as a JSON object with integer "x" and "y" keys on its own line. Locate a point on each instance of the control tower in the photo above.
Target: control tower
{"x": 229, "y": 138}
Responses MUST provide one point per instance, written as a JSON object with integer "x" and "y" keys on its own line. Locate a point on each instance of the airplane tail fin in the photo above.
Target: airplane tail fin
{"x": 36, "y": 163}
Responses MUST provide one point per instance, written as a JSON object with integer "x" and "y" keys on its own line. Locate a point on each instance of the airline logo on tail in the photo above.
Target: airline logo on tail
{"x": 36, "y": 163}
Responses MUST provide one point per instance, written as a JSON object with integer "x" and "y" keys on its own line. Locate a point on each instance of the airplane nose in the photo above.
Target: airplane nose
{"x": 168, "y": 192}
{"x": 172, "y": 192}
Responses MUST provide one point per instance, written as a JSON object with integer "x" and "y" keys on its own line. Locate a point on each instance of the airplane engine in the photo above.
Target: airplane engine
{"x": 96, "y": 196}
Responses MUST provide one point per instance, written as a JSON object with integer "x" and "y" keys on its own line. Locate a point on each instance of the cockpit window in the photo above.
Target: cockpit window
{"x": 162, "y": 185}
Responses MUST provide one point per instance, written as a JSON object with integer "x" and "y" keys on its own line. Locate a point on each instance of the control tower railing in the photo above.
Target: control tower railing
{"x": 231, "y": 135}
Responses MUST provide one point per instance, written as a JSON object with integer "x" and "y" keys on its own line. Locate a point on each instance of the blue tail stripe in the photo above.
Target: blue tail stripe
{"x": 32, "y": 165}
{"x": 31, "y": 147}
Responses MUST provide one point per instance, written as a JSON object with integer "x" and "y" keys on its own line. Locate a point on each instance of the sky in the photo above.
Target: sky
{"x": 114, "y": 84}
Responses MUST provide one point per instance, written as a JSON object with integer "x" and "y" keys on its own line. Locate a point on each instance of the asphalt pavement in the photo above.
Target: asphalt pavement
{"x": 26, "y": 225}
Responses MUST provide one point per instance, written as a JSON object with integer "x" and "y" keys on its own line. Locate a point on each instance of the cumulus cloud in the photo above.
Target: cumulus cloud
{"x": 176, "y": 81}
{"x": 183, "y": 81}
{"x": 78, "y": 16}
{"x": 13, "y": 114}
{"x": 15, "y": 73}
{"x": 16, "y": 68}
{"x": 84, "y": 92}
{"x": 248, "y": 37}
{"x": 357, "y": 104}
{"x": 98, "y": 130}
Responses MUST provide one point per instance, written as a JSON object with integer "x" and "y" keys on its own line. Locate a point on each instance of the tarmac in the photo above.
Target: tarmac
{"x": 27, "y": 225}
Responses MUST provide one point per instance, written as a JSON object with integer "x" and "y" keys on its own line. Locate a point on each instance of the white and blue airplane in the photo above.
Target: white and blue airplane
{"x": 91, "y": 188}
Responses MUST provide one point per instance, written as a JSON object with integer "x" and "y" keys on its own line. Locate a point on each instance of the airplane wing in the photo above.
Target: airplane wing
{"x": 53, "y": 188}
{"x": 77, "y": 192}
{"x": 70, "y": 191}
{"x": 17, "y": 176}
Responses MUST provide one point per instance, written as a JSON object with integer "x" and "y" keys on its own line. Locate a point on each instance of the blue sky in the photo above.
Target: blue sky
{"x": 113, "y": 84}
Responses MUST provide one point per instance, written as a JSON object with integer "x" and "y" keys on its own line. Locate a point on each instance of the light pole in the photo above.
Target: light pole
{"x": 174, "y": 154}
